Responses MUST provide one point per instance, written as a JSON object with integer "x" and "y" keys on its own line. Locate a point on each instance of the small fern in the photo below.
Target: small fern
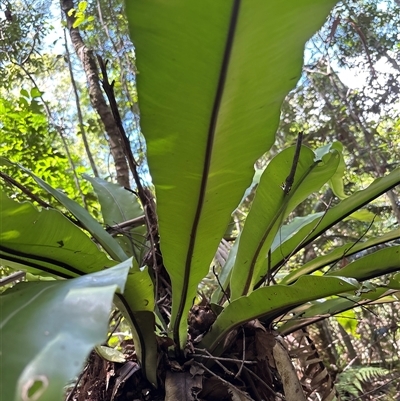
{"x": 353, "y": 382}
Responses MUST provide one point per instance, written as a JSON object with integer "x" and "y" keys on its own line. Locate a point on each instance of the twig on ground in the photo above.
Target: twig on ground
{"x": 243, "y": 354}
{"x": 221, "y": 379}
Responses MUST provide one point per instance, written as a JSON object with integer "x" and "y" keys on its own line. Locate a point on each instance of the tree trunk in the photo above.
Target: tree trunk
{"x": 96, "y": 95}
{"x": 351, "y": 352}
{"x": 327, "y": 344}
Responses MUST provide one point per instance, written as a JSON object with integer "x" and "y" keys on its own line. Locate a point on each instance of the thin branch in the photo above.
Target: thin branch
{"x": 243, "y": 354}
{"x": 364, "y": 42}
{"x": 376, "y": 389}
{"x": 136, "y": 222}
{"x": 72, "y": 164}
{"x": 78, "y": 110}
{"x": 144, "y": 194}
{"x": 117, "y": 323}
{"x": 353, "y": 245}
{"x": 128, "y": 66}
{"x": 287, "y": 258}
{"x": 36, "y": 199}
{"x": 230, "y": 385}
{"x": 31, "y": 50}
{"x": 25, "y": 190}
{"x": 73, "y": 390}
{"x": 220, "y": 285}
{"x": 109, "y": 90}
{"x": 248, "y": 380}
{"x": 218, "y": 358}
{"x": 303, "y": 241}
{"x": 12, "y": 277}
{"x": 263, "y": 382}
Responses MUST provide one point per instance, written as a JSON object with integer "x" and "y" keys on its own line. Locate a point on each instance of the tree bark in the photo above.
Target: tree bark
{"x": 351, "y": 352}
{"x": 327, "y": 344}
{"x": 96, "y": 96}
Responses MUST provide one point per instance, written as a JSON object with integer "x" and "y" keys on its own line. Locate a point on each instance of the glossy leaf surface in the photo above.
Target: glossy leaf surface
{"x": 46, "y": 240}
{"x": 321, "y": 309}
{"x": 271, "y": 206}
{"x": 137, "y": 304}
{"x": 338, "y": 254}
{"x": 379, "y": 263}
{"x": 81, "y": 214}
{"x": 118, "y": 206}
{"x": 49, "y": 328}
{"x": 285, "y": 233}
{"x": 269, "y": 302}
{"x": 211, "y": 74}
{"x": 316, "y": 227}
